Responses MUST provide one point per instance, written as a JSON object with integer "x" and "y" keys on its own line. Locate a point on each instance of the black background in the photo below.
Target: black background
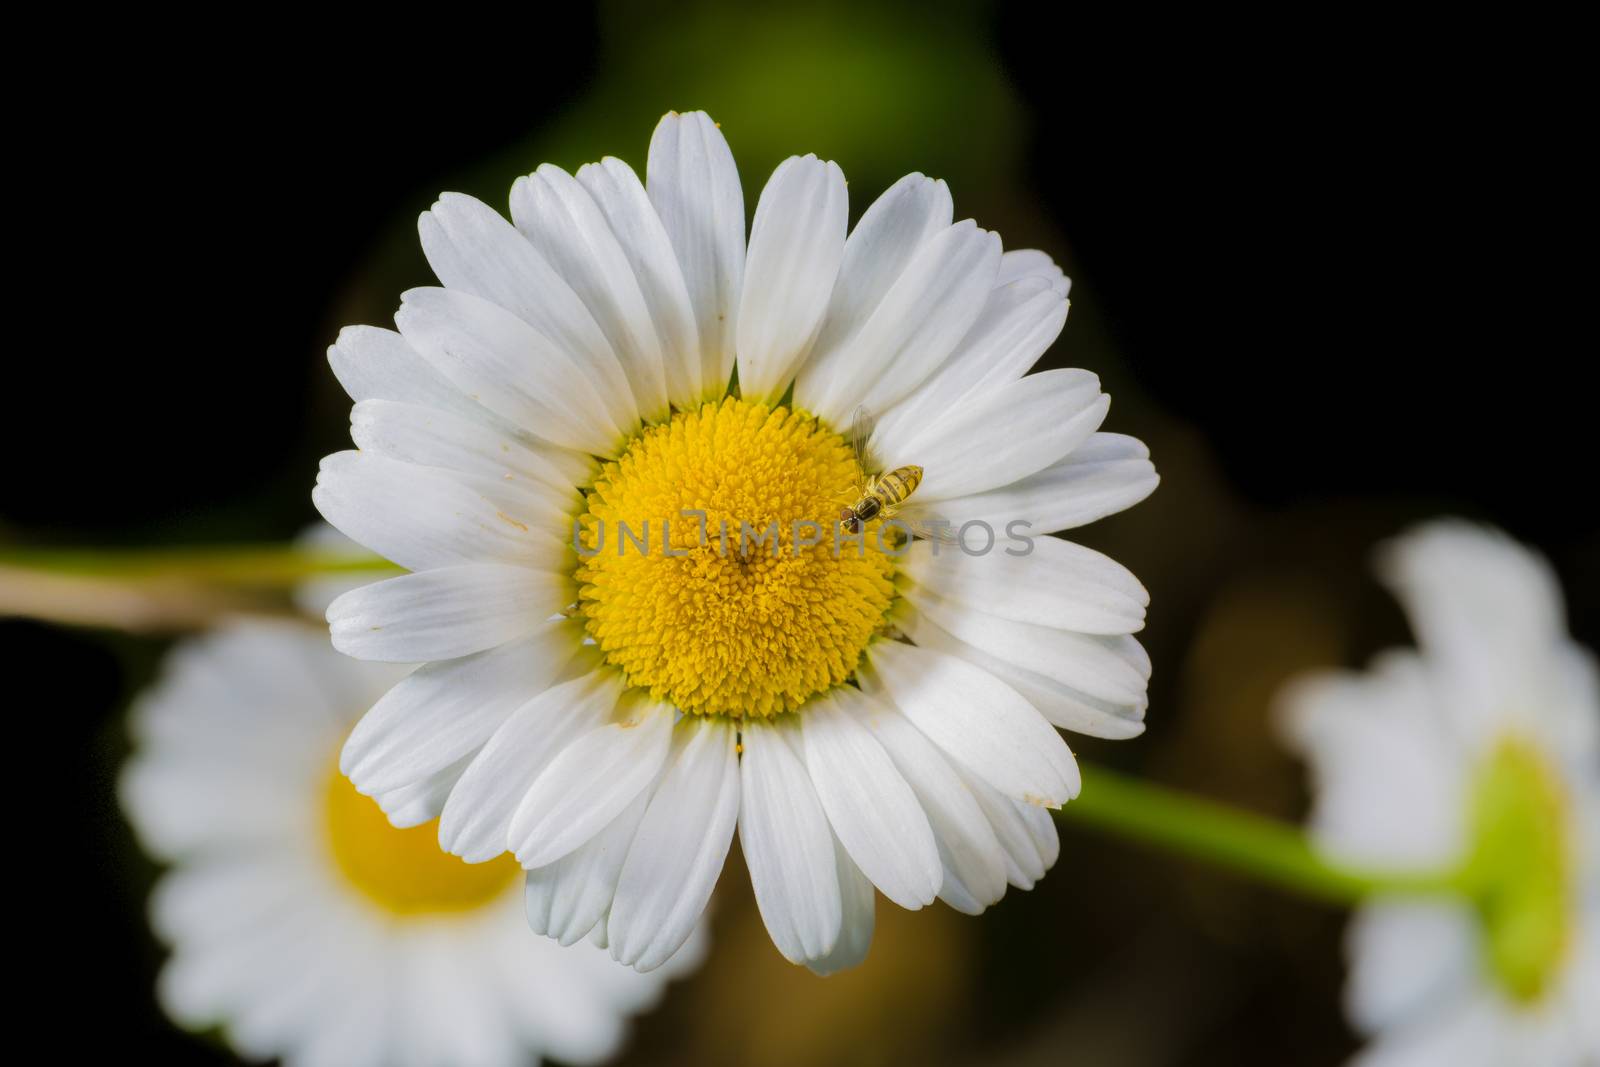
{"x": 1334, "y": 254}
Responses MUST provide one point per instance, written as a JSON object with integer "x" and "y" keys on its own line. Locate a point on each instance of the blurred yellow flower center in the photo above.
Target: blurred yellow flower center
{"x": 736, "y": 613}
{"x": 404, "y": 871}
{"x": 1522, "y": 866}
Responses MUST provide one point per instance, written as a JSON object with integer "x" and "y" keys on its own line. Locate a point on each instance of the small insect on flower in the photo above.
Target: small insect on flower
{"x": 880, "y": 495}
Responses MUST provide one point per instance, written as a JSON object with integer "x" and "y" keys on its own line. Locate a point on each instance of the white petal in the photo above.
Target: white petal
{"x": 1469, "y": 585}
{"x": 627, "y": 208}
{"x": 1104, "y": 475}
{"x": 1406, "y": 956}
{"x": 313, "y": 596}
{"x": 1025, "y": 861}
{"x": 221, "y": 894}
{"x": 543, "y": 518}
{"x": 1041, "y": 828}
{"x": 920, "y": 321}
{"x": 241, "y": 930}
{"x": 179, "y": 804}
{"x": 1005, "y": 435}
{"x": 969, "y": 852}
{"x": 566, "y": 899}
{"x": 251, "y": 688}
{"x": 1463, "y": 1033}
{"x": 445, "y": 613}
{"x": 590, "y": 783}
{"x": 1113, "y": 668}
{"x": 1489, "y": 611}
{"x": 422, "y": 517}
{"x": 430, "y": 437}
{"x": 444, "y": 711}
{"x": 796, "y": 244}
{"x": 566, "y": 1004}
{"x": 1018, "y": 324}
{"x": 858, "y": 907}
{"x": 375, "y": 364}
{"x": 450, "y": 1011}
{"x": 1030, "y": 264}
{"x": 223, "y": 734}
{"x": 694, "y": 185}
{"x": 477, "y": 817}
{"x": 787, "y": 845}
{"x": 1388, "y": 773}
{"x": 1583, "y": 974}
{"x": 874, "y": 812}
{"x": 475, "y": 251}
{"x": 422, "y": 801}
{"x": 958, "y": 897}
{"x": 979, "y": 720}
{"x": 562, "y": 221}
{"x": 266, "y": 981}
{"x": 679, "y": 850}
{"x": 1064, "y": 706}
{"x": 356, "y": 1034}
{"x": 515, "y": 371}
{"x": 1057, "y": 584}
{"x": 888, "y": 235}
{"x": 1571, "y": 727}
{"x": 381, "y": 370}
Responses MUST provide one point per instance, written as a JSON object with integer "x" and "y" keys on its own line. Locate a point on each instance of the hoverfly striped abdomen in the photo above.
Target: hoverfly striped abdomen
{"x": 882, "y": 495}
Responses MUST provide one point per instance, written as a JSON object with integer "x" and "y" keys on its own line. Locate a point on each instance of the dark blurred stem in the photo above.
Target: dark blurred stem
{"x": 165, "y": 590}
{"x": 1252, "y": 845}
{"x": 254, "y": 566}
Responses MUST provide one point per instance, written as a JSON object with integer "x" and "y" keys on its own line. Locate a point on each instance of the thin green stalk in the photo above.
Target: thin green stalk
{"x": 257, "y": 566}
{"x": 1259, "y": 847}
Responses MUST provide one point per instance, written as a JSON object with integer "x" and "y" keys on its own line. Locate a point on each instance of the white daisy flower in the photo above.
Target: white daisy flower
{"x": 864, "y": 719}
{"x": 305, "y": 924}
{"x": 1480, "y": 752}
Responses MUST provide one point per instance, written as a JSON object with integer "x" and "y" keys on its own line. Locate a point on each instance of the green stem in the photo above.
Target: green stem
{"x": 255, "y": 566}
{"x": 1254, "y": 845}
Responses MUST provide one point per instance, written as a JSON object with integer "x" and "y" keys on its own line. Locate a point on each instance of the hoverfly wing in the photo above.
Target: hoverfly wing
{"x": 862, "y": 423}
{"x": 933, "y": 528}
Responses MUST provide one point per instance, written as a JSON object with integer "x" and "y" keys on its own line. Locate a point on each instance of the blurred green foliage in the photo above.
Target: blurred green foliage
{"x": 880, "y": 89}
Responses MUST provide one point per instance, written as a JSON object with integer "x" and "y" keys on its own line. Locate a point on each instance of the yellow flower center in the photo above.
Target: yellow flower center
{"x": 1522, "y": 867}
{"x": 404, "y": 871}
{"x": 736, "y": 613}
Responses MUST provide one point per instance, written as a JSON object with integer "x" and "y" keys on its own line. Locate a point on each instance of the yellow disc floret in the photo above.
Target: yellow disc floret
{"x": 404, "y": 872}
{"x": 755, "y": 604}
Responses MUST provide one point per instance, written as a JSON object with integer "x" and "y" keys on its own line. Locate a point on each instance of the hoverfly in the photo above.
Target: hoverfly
{"x": 880, "y": 495}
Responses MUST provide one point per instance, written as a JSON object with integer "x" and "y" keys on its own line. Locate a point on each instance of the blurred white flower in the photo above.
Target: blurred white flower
{"x": 1479, "y": 752}
{"x": 615, "y": 751}
{"x": 305, "y": 924}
